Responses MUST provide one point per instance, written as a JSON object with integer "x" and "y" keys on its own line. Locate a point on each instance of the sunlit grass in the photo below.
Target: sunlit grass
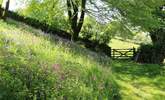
{"x": 140, "y": 81}
{"x": 118, "y": 44}
{"x": 86, "y": 74}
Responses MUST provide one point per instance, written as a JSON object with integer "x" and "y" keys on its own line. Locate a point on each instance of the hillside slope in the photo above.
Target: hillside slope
{"x": 35, "y": 65}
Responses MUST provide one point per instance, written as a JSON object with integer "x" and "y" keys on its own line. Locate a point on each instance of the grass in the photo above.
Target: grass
{"x": 35, "y": 65}
{"x": 139, "y": 81}
{"x": 118, "y": 44}
{"x": 57, "y": 68}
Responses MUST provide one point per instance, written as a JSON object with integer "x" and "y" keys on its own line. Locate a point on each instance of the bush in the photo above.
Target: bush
{"x": 150, "y": 54}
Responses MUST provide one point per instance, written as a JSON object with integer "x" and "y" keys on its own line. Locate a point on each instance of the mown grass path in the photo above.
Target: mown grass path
{"x": 140, "y": 81}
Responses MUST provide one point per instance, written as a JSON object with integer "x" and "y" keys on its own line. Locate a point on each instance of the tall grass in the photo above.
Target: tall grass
{"x": 35, "y": 65}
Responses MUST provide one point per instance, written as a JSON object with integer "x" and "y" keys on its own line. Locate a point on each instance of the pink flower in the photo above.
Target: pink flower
{"x": 56, "y": 67}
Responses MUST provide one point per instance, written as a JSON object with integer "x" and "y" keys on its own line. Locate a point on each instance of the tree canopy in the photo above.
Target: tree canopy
{"x": 138, "y": 12}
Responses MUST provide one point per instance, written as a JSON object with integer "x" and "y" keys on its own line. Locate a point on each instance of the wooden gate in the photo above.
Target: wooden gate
{"x": 123, "y": 53}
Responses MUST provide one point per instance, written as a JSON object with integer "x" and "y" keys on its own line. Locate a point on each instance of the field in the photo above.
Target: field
{"x": 119, "y": 44}
{"x": 61, "y": 69}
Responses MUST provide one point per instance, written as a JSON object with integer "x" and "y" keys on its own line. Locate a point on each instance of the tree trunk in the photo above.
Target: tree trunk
{"x": 1, "y": 10}
{"x": 158, "y": 40}
{"x": 81, "y": 20}
{"x": 6, "y": 10}
{"x": 75, "y": 21}
{"x": 154, "y": 53}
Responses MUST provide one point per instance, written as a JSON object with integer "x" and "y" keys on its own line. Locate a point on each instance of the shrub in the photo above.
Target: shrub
{"x": 150, "y": 54}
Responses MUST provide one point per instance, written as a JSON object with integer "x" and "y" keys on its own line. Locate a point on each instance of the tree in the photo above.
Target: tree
{"x": 54, "y": 16}
{"x": 76, "y": 21}
{"x": 158, "y": 37}
{"x": 148, "y": 15}
{"x": 6, "y": 9}
{"x": 1, "y": 10}
{"x": 138, "y": 12}
{"x": 3, "y": 13}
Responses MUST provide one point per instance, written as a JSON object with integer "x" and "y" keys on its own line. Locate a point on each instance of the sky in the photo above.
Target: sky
{"x": 15, "y": 4}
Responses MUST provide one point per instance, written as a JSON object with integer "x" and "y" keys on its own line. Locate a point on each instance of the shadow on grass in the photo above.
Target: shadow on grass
{"x": 140, "y": 79}
{"x": 136, "y": 69}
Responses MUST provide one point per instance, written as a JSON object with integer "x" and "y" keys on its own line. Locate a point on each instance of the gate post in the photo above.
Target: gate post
{"x": 134, "y": 52}
{"x": 110, "y": 54}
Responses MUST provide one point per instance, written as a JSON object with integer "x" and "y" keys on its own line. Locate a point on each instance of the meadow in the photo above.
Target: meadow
{"x": 38, "y": 65}
{"x": 119, "y": 44}
{"x": 34, "y": 65}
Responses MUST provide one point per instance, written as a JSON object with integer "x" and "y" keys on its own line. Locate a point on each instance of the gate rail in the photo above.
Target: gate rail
{"x": 123, "y": 53}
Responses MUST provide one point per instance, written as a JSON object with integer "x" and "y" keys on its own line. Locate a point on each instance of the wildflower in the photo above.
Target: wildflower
{"x": 56, "y": 67}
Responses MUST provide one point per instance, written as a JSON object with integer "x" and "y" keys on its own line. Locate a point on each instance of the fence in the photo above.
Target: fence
{"x": 123, "y": 53}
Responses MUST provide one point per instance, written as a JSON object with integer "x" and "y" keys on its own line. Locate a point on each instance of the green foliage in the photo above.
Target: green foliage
{"x": 146, "y": 15}
{"x": 120, "y": 29}
{"x": 1, "y": 2}
{"x": 103, "y": 33}
{"x": 151, "y": 53}
{"x": 92, "y": 30}
{"x": 40, "y": 66}
{"x": 50, "y": 11}
{"x": 95, "y": 31}
{"x": 146, "y": 52}
{"x": 138, "y": 12}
